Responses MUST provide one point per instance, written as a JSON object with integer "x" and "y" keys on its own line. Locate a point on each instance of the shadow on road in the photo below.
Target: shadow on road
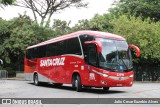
{"x": 84, "y": 90}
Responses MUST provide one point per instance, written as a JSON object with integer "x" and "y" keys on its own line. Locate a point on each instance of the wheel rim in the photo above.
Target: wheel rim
{"x": 76, "y": 83}
{"x": 36, "y": 79}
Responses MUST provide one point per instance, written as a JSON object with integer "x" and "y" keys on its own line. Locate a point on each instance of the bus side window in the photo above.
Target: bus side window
{"x": 84, "y": 38}
{"x": 73, "y": 46}
{"x": 28, "y": 54}
{"x": 60, "y": 48}
{"x": 41, "y": 52}
{"x": 51, "y": 50}
{"x": 92, "y": 55}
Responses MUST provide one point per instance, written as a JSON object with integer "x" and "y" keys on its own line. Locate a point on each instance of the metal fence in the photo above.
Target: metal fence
{"x": 147, "y": 73}
{"x": 3, "y": 74}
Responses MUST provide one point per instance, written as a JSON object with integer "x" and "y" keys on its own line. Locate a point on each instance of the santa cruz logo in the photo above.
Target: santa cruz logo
{"x": 52, "y": 62}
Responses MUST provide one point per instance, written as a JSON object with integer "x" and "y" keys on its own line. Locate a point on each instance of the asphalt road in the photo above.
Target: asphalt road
{"x": 26, "y": 89}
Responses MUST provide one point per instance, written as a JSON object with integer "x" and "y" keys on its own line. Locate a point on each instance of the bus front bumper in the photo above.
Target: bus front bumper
{"x": 114, "y": 81}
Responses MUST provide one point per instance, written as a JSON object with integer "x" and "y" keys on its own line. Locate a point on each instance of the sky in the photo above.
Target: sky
{"x": 73, "y": 14}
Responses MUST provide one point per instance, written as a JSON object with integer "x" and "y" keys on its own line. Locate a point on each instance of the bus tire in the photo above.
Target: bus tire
{"x": 35, "y": 79}
{"x": 73, "y": 81}
{"x": 78, "y": 84}
{"x": 105, "y": 88}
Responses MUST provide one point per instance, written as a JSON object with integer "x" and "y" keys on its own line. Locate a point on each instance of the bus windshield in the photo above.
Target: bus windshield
{"x": 115, "y": 55}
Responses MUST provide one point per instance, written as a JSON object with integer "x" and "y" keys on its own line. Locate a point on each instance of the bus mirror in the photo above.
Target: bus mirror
{"x": 97, "y": 43}
{"x": 137, "y": 50}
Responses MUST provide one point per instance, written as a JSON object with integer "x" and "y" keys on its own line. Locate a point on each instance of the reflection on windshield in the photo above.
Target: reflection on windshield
{"x": 115, "y": 55}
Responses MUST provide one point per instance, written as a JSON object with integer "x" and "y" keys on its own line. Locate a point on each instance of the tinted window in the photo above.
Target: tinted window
{"x": 70, "y": 46}
{"x": 51, "y": 50}
{"x": 61, "y": 48}
{"x": 85, "y": 38}
{"x": 55, "y": 49}
{"x": 92, "y": 55}
{"x": 41, "y": 52}
{"x": 29, "y": 54}
{"x": 73, "y": 46}
{"x": 37, "y": 52}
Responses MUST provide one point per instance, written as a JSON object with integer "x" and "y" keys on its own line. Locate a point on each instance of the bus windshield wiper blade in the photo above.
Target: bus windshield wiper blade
{"x": 123, "y": 62}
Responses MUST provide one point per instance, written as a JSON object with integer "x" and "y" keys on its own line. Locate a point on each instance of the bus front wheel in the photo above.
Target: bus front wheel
{"x": 35, "y": 79}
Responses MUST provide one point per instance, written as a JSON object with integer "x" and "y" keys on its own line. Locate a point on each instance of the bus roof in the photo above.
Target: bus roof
{"x": 76, "y": 34}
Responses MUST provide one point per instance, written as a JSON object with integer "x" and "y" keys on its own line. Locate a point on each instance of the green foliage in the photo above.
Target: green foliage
{"x": 145, "y": 34}
{"x": 60, "y": 27}
{"x": 17, "y": 34}
{"x": 7, "y": 2}
{"x": 144, "y": 8}
{"x": 98, "y": 22}
{"x": 81, "y": 25}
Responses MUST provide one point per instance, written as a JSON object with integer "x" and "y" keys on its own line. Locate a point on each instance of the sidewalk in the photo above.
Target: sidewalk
{"x": 15, "y": 78}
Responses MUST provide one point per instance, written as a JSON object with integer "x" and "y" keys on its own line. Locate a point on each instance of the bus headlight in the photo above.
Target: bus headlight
{"x": 131, "y": 76}
{"x": 105, "y": 75}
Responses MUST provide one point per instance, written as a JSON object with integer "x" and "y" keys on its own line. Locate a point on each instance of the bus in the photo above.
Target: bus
{"x": 82, "y": 59}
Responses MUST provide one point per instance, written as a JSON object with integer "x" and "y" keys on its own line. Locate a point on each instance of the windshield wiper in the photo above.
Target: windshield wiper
{"x": 115, "y": 64}
{"x": 123, "y": 62}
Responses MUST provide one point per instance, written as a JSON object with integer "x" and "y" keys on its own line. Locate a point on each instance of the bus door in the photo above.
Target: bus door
{"x": 92, "y": 60}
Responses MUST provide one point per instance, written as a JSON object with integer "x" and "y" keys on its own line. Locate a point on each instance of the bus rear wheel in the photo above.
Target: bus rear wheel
{"x": 77, "y": 83}
{"x": 105, "y": 88}
{"x": 35, "y": 79}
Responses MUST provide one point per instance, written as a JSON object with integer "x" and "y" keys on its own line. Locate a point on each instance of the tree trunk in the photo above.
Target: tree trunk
{"x": 42, "y": 21}
{"x": 35, "y": 17}
{"x": 49, "y": 19}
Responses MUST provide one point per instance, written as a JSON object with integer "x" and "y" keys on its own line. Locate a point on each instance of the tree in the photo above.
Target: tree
{"x": 144, "y": 34}
{"x": 17, "y": 34}
{"x": 46, "y": 8}
{"x": 6, "y": 2}
{"x": 98, "y": 22}
{"x": 81, "y": 25}
{"x": 144, "y": 8}
{"x": 60, "y": 27}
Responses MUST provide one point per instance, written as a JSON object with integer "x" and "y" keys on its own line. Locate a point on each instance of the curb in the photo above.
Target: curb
{"x": 22, "y": 79}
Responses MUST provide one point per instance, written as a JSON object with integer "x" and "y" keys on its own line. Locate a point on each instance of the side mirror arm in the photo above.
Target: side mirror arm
{"x": 138, "y": 52}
